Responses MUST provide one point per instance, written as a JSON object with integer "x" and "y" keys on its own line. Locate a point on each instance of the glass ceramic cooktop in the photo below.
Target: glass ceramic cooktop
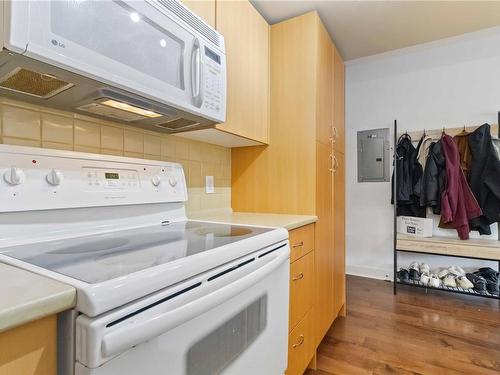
{"x": 102, "y": 257}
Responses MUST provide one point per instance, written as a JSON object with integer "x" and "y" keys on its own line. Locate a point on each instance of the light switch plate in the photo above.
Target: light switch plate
{"x": 209, "y": 185}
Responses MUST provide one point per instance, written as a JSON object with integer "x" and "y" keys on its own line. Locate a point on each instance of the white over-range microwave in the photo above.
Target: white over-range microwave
{"x": 148, "y": 63}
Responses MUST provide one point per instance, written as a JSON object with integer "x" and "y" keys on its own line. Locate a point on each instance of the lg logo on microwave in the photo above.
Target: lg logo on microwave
{"x": 57, "y": 43}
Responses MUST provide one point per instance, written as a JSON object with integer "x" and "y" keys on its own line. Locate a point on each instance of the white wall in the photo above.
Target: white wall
{"x": 450, "y": 82}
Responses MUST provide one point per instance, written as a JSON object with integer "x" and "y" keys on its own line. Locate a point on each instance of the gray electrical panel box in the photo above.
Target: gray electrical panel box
{"x": 373, "y": 155}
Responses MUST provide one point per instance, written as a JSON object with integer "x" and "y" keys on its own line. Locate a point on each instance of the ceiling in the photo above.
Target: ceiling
{"x": 364, "y": 28}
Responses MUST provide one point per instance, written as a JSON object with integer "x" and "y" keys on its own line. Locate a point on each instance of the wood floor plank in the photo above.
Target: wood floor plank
{"x": 412, "y": 333}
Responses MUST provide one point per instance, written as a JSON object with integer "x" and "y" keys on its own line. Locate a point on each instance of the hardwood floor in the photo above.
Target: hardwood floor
{"x": 411, "y": 333}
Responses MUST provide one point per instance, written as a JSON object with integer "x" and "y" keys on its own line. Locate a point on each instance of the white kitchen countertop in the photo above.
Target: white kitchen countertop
{"x": 26, "y": 296}
{"x": 251, "y": 218}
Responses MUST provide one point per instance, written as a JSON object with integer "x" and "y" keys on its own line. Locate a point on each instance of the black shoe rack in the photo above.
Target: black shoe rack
{"x": 476, "y": 249}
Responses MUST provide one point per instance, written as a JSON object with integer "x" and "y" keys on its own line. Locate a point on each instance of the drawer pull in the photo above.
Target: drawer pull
{"x": 298, "y": 277}
{"x": 300, "y": 244}
{"x": 299, "y": 343}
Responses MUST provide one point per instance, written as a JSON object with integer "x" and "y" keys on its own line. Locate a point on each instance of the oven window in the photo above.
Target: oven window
{"x": 224, "y": 344}
{"x": 114, "y": 30}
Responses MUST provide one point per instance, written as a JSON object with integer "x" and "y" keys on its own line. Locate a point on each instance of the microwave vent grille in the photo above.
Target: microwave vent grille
{"x": 32, "y": 83}
{"x": 188, "y": 17}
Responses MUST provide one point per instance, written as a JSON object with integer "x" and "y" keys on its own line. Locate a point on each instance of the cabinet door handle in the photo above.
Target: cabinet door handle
{"x": 335, "y": 164}
{"x": 298, "y": 277}
{"x": 299, "y": 342}
{"x": 300, "y": 244}
{"x": 331, "y": 169}
{"x": 335, "y": 134}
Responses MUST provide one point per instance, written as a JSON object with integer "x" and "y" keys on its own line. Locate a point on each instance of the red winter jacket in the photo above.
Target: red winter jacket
{"x": 458, "y": 204}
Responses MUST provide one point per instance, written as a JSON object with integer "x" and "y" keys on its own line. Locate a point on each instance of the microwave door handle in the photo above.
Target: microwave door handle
{"x": 141, "y": 330}
{"x": 196, "y": 74}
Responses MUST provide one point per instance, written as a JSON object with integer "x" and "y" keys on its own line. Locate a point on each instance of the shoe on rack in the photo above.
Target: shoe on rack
{"x": 449, "y": 280}
{"x": 403, "y": 275}
{"x": 434, "y": 281}
{"x": 489, "y": 274}
{"x": 492, "y": 287}
{"x": 456, "y": 270}
{"x": 414, "y": 271}
{"x": 459, "y": 269}
{"x": 424, "y": 268}
{"x": 424, "y": 278}
{"x": 464, "y": 283}
{"x": 479, "y": 282}
{"x": 444, "y": 272}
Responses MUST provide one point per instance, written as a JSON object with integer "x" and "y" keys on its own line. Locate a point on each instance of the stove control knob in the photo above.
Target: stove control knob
{"x": 54, "y": 177}
{"x": 156, "y": 180}
{"x": 172, "y": 181}
{"x": 14, "y": 176}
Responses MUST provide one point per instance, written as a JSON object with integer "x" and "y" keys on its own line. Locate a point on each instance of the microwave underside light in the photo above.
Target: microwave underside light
{"x": 118, "y": 110}
{"x": 40, "y": 85}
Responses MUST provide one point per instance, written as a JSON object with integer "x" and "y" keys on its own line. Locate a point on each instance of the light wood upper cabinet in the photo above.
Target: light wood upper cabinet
{"x": 281, "y": 177}
{"x": 203, "y": 8}
{"x": 246, "y": 35}
{"x": 338, "y": 101}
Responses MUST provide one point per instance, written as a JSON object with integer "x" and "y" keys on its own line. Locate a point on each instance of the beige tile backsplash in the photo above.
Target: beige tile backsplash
{"x": 35, "y": 126}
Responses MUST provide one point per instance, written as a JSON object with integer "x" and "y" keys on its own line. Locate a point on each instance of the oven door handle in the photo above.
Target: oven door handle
{"x": 121, "y": 339}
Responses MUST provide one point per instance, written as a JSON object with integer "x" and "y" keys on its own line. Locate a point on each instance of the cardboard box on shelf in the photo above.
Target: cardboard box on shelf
{"x": 415, "y": 226}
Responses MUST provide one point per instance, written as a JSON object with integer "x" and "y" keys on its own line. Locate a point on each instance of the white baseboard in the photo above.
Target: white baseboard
{"x": 372, "y": 272}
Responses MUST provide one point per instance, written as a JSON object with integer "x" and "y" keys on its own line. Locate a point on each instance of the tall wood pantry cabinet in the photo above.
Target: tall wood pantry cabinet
{"x": 301, "y": 171}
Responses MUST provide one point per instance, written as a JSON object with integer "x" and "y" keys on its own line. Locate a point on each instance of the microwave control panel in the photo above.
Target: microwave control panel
{"x": 213, "y": 81}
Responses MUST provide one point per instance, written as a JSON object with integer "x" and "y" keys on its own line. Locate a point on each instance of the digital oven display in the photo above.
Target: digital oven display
{"x": 111, "y": 176}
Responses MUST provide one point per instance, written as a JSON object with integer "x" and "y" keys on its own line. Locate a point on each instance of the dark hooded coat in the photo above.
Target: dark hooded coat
{"x": 484, "y": 178}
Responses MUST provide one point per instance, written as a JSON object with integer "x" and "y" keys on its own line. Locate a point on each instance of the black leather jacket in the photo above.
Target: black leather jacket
{"x": 434, "y": 178}
{"x": 409, "y": 172}
{"x": 485, "y": 178}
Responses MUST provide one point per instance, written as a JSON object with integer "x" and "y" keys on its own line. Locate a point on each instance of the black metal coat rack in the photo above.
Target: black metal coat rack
{"x": 432, "y": 249}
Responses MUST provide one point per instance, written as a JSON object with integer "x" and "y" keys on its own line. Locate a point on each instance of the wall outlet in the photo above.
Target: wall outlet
{"x": 209, "y": 185}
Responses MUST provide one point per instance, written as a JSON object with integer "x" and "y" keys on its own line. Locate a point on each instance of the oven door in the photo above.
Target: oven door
{"x": 231, "y": 320}
{"x": 131, "y": 45}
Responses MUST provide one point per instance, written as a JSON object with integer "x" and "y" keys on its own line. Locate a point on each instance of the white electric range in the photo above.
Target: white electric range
{"x": 156, "y": 293}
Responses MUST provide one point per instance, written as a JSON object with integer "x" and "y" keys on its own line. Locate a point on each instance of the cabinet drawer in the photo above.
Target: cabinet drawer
{"x": 301, "y": 288}
{"x": 300, "y": 346}
{"x": 301, "y": 241}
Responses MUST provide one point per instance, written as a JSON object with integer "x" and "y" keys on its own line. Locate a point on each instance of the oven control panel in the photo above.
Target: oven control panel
{"x": 115, "y": 179}
{"x": 41, "y": 179}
